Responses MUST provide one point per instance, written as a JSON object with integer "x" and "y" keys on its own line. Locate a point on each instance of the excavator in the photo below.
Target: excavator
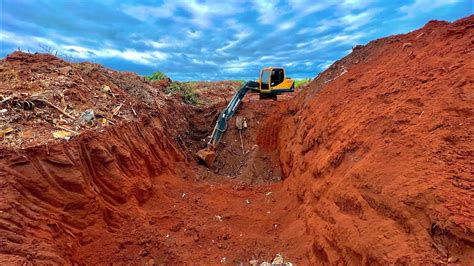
{"x": 272, "y": 82}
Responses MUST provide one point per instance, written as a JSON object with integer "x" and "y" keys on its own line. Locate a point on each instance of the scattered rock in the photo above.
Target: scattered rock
{"x": 177, "y": 227}
{"x": 106, "y": 89}
{"x": 453, "y": 260}
{"x": 144, "y": 253}
{"x": 253, "y": 262}
{"x": 27, "y": 134}
{"x": 150, "y": 262}
{"x": 6, "y": 131}
{"x": 87, "y": 117}
{"x": 278, "y": 259}
{"x": 62, "y": 134}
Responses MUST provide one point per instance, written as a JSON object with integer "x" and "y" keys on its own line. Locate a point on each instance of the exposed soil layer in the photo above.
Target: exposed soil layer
{"x": 371, "y": 163}
{"x": 123, "y": 197}
{"x": 379, "y": 151}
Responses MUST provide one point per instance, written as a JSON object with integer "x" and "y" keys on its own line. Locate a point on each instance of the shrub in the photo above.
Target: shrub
{"x": 157, "y": 76}
{"x": 187, "y": 92}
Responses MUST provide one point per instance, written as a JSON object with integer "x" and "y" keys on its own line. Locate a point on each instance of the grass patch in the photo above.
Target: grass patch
{"x": 301, "y": 82}
{"x": 188, "y": 93}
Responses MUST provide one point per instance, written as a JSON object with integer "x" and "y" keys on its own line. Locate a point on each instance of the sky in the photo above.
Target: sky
{"x": 212, "y": 39}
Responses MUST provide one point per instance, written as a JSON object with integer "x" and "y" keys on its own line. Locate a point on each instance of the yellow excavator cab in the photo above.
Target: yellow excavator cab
{"x": 272, "y": 80}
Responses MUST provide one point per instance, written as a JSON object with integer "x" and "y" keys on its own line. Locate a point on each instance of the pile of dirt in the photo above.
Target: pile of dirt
{"x": 43, "y": 98}
{"x": 378, "y": 151}
{"x": 215, "y": 91}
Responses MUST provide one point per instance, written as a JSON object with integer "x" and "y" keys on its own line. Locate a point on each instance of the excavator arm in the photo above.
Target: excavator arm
{"x": 208, "y": 154}
{"x": 228, "y": 112}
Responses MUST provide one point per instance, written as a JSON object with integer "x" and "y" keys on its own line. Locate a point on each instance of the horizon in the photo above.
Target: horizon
{"x": 212, "y": 40}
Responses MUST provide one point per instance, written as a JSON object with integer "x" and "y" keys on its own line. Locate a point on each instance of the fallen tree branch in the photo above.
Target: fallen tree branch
{"x": 117, "y": 109}
{"x": 55, "y": 107}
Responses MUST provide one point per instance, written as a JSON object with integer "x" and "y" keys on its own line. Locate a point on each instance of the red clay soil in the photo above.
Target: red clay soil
{"x": 121, "y": 192}
{"x": 378, "y": 151}
{"x": 375, "y": 158}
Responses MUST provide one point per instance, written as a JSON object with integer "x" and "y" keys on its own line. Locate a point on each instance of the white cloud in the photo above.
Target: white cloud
{"x": 322, "y": 26}
{"x": 144, "y": 13}
{"x": 306, "y": 7}
{"x": 268, "y": 10}
{"x": 324, "y": 42}
{"x": 33, "y": 43}
{"x": 423, "y": 6}
{"x": 193, "y": 34}
{"x": 159, "y": 44}
{"x": 286, "y": 25}
{"x": 147, "y": 58}
{"x": 203, "y": 62}
{"x": 25, "y": 42}
{"x": 202, "y": 12}
{"x": 241, "y": 33}
{"x": 348, "y": 22}
{"x": 236, "y": 66}
{"x": 324, "y": 65}
{"x": 355, "y": 21}
{"x": 344, "y": 39}
{"x": 355, "y": 4}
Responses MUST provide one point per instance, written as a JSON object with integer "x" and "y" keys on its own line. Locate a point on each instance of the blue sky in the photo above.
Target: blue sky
{"x": 212, "y": 39}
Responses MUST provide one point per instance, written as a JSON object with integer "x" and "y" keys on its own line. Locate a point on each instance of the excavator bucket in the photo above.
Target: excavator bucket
{"x": 207, "y": 155}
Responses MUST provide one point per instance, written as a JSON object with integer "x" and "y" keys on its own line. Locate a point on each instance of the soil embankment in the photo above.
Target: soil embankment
{"x": 378, "y": 150}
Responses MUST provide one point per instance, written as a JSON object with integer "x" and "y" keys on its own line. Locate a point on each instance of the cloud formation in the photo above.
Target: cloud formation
{"x": 212, "y": 39}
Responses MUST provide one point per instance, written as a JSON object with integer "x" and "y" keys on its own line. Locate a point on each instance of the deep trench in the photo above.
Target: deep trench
{"x": 120, "y": 195}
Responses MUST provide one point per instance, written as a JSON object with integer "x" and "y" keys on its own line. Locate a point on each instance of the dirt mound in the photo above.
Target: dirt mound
{"x": 41, "y": 94}
{"x": 378, "y": 151}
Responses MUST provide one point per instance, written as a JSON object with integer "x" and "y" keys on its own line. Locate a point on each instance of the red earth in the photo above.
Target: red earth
{"x": 371, "y": 163}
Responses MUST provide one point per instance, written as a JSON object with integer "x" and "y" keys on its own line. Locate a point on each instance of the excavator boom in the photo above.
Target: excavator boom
{"x": 208, "y": 154}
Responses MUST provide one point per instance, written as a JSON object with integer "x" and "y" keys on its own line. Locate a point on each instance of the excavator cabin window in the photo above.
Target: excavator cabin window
{"x": 277, "y": 76}
{"x": 264, "y": 79}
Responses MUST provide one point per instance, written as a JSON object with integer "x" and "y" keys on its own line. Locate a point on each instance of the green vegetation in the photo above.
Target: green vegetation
{"x": 301, "y": 82}
{"x": 185, "y": 89}
{"x": 157, "y": 76}
{"x": 187, "y": 92}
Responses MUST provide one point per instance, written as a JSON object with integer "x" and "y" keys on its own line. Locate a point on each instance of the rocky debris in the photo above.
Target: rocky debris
{"x": 277, "y": 261}
{"x": 87, "y": 116}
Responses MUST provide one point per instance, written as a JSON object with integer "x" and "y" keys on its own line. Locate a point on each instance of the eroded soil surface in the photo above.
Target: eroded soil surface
{"x": 371, "y": 163}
